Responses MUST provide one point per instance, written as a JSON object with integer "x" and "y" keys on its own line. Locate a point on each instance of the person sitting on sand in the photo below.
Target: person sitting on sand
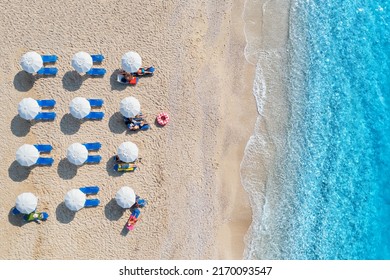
{"x": 127, "y": 76}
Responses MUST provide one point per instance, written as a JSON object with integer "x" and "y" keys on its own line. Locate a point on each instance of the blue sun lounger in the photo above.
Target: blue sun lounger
{"x": 96, "y": 102}
{"x": 15, "y": 211}
{"x": 90, "y": 190}
{"x": 97, "y": 58}
{"x": 93, "y": 146}
{"x": 92, "y": 202}
{"x": 44, "y": 148}
{"x": 48, "y": 71}
{"x": 45, "y": 161}
{"x": 95, "y": 116}
{"x": 93, "y": 159}
{"x": 46, "y": 103}
{"x": 49, "y": 58}
{"x": 96, "y": 72}
{"x": 46, "y": 116}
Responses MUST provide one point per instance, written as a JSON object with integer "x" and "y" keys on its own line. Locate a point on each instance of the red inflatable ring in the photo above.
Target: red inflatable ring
{"x": 162, "y": 119}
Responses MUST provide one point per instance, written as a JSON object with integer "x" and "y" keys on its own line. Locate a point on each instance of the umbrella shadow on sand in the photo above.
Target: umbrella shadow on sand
{"x": 24, "y": 81}
{"x": 115, "y": 85}
{"x": 16, "y": 220}
{"x": 18, "y": 173}
{"x": 72, "y": 80}
{"x": 20, "y": 127}
{"x": 113, "y": 211}
{"x": 70, "y": 125}
{"x": 63, "y": 214}
{"x": 110, "y": 168}
{"x": 116, "y": 123}
{"x": 66, "y": 170}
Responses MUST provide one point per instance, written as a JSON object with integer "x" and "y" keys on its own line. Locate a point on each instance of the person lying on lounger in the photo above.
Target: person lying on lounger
{"x": 144, "y": 71}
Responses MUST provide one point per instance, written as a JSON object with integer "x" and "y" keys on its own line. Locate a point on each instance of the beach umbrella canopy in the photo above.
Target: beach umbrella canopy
{"x": 27, "y": 155}
{"x": 75, "y": 199}
{"x": 125, "y": 197}
{"x": 79, "y": 107}
{"x": 26, "y": 203}
{"x": 131, "y": 62}
{"x": 28, "y": 108}
{"x": 130, "y": 107}
{"x": 128, "y": 152}
{"x": 82, "y": 62}
{"x": 31, "y": 62}
{"x": 77, "y": 153}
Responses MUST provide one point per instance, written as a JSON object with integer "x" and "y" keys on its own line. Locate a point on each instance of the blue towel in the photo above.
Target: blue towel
{"x": 15, "y": 211}
{"x": 96, "y": 72}
{"x": 135, "y": 212}
{"x": 95, "y": 116}
{"x": 48, "y": 71}
{"x": 47, "y": 116}
{"x": 96, "y": 102}
{"x": 92, "y": 202}
{"x": 44, "y": 148}
{"x": 49, "y": 58}
{"x": 93, "y": 159}
{"x": 145, "y": 127}
{"x": 46, "y": 103}
{"x": 93, "y": 146}
{"x": 90, "y": 190}
{"x": 97, "y": 58}
{"x": 45, "y": 161}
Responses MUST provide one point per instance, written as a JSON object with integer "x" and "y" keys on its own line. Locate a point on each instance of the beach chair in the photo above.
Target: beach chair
{"x": 93, "y": 146}
{"x": 15, "y": 211}
{"x": 44, "y": 148}
{"x": 121, "y": 79}
{"x": 96, "y": 102}
{"x": 92, "y": 202}
{"x": 93, "y": 159}
{"x": 42, "y": 216}
{"x": 90, "y": 190}
{"x": 95, "y": 116}
{"x": 97, "y": 58}
{"x": 45, "y": 161}
{"x": 125, "y": 167}
{"x": 48, "y": 71}
{"x": 134, "y": 218}
{"x": 49, "y": 58}
{"x": 96, "y": 72}
{"x": 46, "y": 103}
{"x": 45, "y": 116}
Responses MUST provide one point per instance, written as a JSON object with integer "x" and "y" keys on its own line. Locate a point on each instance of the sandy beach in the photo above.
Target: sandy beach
{"x": 190, "y": 171}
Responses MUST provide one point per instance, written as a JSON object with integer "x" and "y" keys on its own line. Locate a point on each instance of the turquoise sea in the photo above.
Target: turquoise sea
{"x": 328, "y": 194}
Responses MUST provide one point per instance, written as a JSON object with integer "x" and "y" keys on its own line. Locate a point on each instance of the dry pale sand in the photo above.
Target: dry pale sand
{"x": 190, "y": 172}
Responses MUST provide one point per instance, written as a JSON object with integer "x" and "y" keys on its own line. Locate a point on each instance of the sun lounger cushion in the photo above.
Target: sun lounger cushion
{"x": 48, "y": 71}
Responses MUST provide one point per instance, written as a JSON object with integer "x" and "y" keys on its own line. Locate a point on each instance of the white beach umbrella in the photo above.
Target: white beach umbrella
{"x": 79, "y": 107}
{"x": 128, "y": 152}
{"x": 82, "y": 62}
{"x": 28, "y": 108}
{"x": 125, "y": 197}
{"x": 31, "y": 62}
{"x": 130, "y": 107}
{"x": 77, "y": 153}
{"x": 131, "y": 62}
{"x": 75, "y": 199}
{"x": 27, "y": 155}
{"x": 26, "y": 203}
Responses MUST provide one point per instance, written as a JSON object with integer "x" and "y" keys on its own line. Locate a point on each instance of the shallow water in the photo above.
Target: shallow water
{"x": 327, "y": 194}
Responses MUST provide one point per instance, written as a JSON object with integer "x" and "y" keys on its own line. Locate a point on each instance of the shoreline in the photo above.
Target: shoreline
{"x": 238, "y": 213}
